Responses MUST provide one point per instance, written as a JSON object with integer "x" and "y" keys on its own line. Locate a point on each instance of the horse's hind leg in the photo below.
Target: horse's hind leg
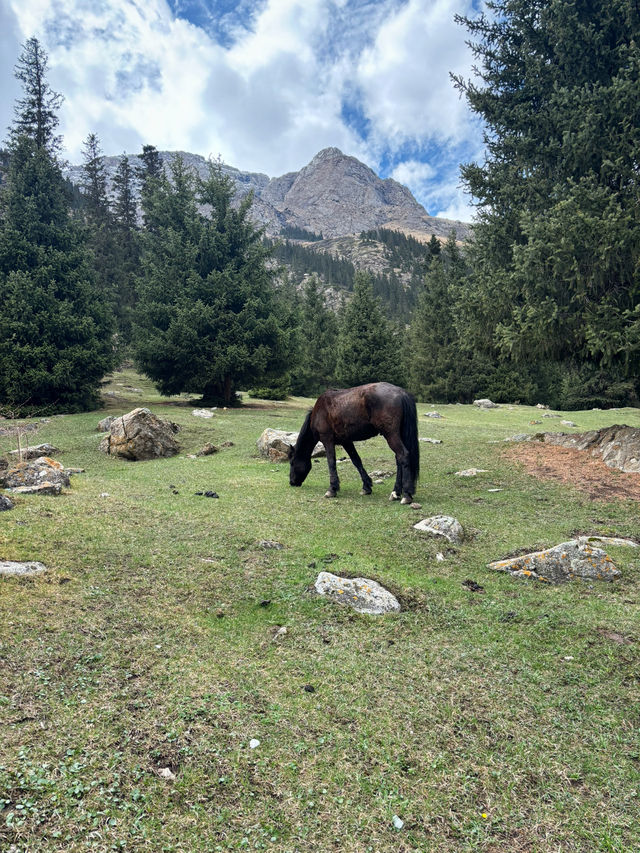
{"x": 367, "y": 484}
{"x": 404, "y": 484}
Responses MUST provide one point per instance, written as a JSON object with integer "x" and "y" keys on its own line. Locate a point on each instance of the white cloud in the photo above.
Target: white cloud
{"x": 134, "y": 73}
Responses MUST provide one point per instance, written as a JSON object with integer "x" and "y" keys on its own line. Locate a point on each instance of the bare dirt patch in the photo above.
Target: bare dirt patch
{"x": 577, "y": 468}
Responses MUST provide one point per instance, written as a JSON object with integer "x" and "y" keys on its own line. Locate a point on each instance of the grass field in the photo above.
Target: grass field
{"x": 502, "y": 720}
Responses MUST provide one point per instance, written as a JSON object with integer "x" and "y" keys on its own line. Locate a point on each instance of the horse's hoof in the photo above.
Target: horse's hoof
{"x": 394, "y": 496}
{"x": 330, "y": 494}
{"x": 365, "y": 492}
{"x": 406, "y": 501}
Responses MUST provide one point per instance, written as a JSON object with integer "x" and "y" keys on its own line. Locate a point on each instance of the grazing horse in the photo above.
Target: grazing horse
{"x": 355, "y": 414}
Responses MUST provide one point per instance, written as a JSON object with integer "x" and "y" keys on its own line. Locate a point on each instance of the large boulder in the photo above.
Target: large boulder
{"x": 141, "y": 435}
{"x": 275, "y": 445}
{"x": 577, "y": 558}
{"x": 35, "y": 474}
{"x": 618, "y": 446}
{"x": 485, "y": 404}
{"x": 362, "y": 594}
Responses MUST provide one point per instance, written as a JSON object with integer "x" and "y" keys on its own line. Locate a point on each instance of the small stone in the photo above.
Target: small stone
{"x": 569, "y": 423}
{"x": 166, "y": 773}
{"x": 202, "y": 413}
{"x": 397, "y": 822}
{"x": 471, "y": 472}
{"x": 208, "y": 450}
{"x": 432, "y": 415}
{"x": 440, "y": 557}
{"x": 495, "y": 490}
{"x": 5, "y": 503}
{"x": 280, "y": 633}
{"x": 442, "y": 525}
{"x": 254, "y": 743}
{"x": 415, "y": 505}
{"x": 431, "y": 440}
{"x": 270, "y": 544}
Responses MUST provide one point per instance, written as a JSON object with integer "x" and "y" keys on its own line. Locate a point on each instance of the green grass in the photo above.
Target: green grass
{"x": 498, "y": 721}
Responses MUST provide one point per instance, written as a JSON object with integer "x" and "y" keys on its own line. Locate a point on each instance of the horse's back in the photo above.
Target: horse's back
{"x": 355, "y": 414}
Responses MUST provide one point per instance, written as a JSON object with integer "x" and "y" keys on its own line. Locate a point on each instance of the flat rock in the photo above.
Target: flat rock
{"x": 432, "y": 415}
{"x": 485, "y": 403}
{"x": 442, "y": 525}
{"x": 8, "y": 567}
{"x": 362, "y": 594}
{"x": 431, "y": 440}
{"x": 566, "y": 561}
{"x": 470, "y": 472}
{"x": 276, "y": 444}
{"x": 34, "y": 452}
{"x": 208, "y": 450}
{"x": 45, "y": 488}
{"x": 618, "y": 446}
{"x": 202, "y": 413}
{"x": 5, "y": 503}
{"x": 140, "y": 435}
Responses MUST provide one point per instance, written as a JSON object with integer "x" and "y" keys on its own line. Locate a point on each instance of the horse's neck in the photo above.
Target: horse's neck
{"x": 307, "y": 441}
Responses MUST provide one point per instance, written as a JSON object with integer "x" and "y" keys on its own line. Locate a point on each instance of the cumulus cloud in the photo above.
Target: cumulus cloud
{"x": 266, "y": 85}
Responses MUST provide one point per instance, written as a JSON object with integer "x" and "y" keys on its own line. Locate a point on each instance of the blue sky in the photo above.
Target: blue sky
{"x": 265, "y": 84}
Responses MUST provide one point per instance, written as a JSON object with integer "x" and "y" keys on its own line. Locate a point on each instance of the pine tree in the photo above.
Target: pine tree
{"x": 36, "y": 113}
{"x": 557, "y": 246}
{"x": 367, "y": 348}
{"x": 126, "y": 259}
{"x": 94, "y": 181}
{"x": 208, "y": 316}
{"x": 149, "y": 176}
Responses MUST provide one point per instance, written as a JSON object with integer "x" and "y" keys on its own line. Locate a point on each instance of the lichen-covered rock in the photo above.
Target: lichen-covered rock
{"x": 362, "y": 594}
{"x": 45, "y": 488}
{"x": 442, "y": 525}
{"x": 36, "y": 472}
{"x": 276, "y": 445}
{"x": 141, "y": 435}
{"x": 566, "y": 561}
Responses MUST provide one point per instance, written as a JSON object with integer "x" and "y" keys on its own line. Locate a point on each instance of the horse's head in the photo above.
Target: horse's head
{"x": 299, "y": 467}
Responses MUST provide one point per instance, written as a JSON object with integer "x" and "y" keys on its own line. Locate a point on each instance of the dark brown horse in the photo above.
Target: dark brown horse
{"x": 355, "y": 414}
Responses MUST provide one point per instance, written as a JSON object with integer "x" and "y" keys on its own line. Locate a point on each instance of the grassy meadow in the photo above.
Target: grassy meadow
{"x": 501, "y": 720}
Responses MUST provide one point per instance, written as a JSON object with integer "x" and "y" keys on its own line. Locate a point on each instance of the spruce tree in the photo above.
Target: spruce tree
{"x": 208, "y": 319}
{"x": 36, "y": 113}
{"x": 557, "y": 246}
{"x": 126, "y": 257}
{"x": 318, "y": 340}
{"x": 367, "y": 346}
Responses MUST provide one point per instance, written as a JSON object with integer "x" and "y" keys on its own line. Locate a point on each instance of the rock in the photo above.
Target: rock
{"x": 8, "y": 567}
{"x": 610, "y": 540}
{"x": 564, "y": 562}
{"x": 34, "y": 452}
{"x": 45, "y": 488}
{"x": 270, "y": 544}
{"x": 550, "y": 415}
{"x": 275, "y": 444}
{"x": 36, "y": 473}
{"x": 569, "y": 423}
{"x": 521, "y": 436}
{"x": 166, "y": 773}
{"x": 431, "y": 440}
{"x": 470, "y": 472}
{"x": 618, "y": 445}
{"x": 362, "y": 594}
{"x": 208, "y": 450}
{"x": 485, "y": 404}
{"x": 105, "y": 424}
{"x": 442, "y": 525}
{"x": 203, "y": 413}
{"x": 5, "y": 503}
{"x": 432, "y": 415}
{"x": 141, "y": 435}
{"x": 541, "y": 406}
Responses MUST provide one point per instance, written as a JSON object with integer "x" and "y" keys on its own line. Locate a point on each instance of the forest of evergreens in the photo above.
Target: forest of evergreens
{"x": 543, "y": 305}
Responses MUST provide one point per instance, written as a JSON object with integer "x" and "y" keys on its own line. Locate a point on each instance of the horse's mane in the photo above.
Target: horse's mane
{"x": 305, "y": 429}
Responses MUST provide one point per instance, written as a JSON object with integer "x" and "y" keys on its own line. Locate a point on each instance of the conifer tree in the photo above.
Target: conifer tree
{"x": 126, "y": 258}
{"x": 318, "y": 340}
{"x": 55, "y": 329}
{"x": 36, "y": 113}
{"x": 208, "y": 318}
{"x": 367, "y": 346}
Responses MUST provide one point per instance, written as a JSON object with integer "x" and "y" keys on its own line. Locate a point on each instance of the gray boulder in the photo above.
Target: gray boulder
{"x": 576, "y": 558}
{"x": 362, "y": 594}
{"x": 34, "y": 452}
{"x": 105, "y": 424}
{"x": 141, "y": 435}
{"x": 276, "y": 444}
{"x": 446, "y": 526}
{"x": 5, "y": 503}
{"x": 485, "y": 404}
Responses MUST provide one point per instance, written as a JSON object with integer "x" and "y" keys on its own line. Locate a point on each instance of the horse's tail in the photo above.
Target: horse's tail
{"x": 410, "y": 434}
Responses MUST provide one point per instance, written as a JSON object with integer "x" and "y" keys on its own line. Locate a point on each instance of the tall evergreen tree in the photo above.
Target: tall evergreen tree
{"x": 149, "y": 176}
{"x": 93, "y": 182}
{"x": 208, "y": 317}
{"x": 36, "y": 113}
{"x": 126, "y": 258}
{"x": 367, "y": 346}
{"x": 318, "y": 341}
{"x": 557, "y": 246}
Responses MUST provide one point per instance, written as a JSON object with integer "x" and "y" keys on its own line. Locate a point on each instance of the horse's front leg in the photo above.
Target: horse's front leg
{"x": 334, "y": 480}
{"x": 367, "y": 484}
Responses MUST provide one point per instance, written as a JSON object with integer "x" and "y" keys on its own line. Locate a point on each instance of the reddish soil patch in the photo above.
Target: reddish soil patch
{"x": 577, "y": 468}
